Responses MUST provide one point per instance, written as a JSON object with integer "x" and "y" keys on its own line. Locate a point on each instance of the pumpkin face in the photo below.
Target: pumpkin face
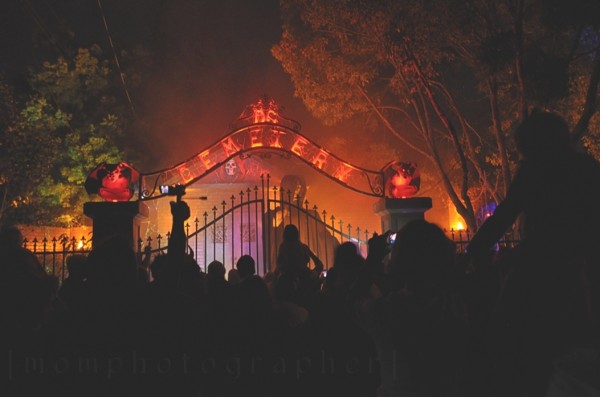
{"x": 402, "y": 179}
{"x": 113, "y": 182}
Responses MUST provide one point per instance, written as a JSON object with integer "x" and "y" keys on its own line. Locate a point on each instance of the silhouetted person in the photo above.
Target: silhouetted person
{"x": 27, "y": 291}
{"x": 544, "y": 307}
{"x": 233, "y": 277}
{"x": 293, "y": 259}
{"x": 245, "y": 266}
{"x": 418, "y": 327}
{"x": 253, "y": 295}
{"x": 72, "y": 290}
{"x": 347, "y": 264}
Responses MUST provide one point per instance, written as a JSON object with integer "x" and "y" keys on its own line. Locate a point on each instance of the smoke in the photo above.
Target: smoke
{"x": 212, "y": 59}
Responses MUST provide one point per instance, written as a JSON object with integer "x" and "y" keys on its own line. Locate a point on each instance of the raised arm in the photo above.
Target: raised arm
{"x": 178, "y": 240}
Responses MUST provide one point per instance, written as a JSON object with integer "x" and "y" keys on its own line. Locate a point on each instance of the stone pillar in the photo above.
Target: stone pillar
{"x": 116, "y": 219}
{"x": 395, "y": 213}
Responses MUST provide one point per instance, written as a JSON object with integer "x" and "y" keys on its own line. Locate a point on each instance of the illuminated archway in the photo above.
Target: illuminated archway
{"x": 262, "y": 127}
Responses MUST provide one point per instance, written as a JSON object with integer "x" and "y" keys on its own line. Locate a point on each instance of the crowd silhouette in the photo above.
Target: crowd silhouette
{"x": 413, "y": 318}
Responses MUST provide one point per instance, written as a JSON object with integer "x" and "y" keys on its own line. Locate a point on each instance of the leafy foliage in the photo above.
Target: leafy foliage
{"x": 448, "y": 79}
{"x": 70, "y": 123}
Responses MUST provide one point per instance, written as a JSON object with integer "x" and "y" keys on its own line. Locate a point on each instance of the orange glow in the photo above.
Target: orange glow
{"x": 401, "y": 188}
{"x": 229, "y": 146}
{"x": 320, "y": 159}
{"x": 263, "y": 113}
{"x": 276, "y": 138}
{"x": 459, "y": 226}
{"x": 205, "y": 160}
{"x": 282, "y": 135}
{"x": 342, "y": 172}
{"x": 80, "y": 244}
{"x": 185, "y": 174}
{"x": 112, "y": 182}
{"x": 255, "y": 137}
{"x": 399, "y": 180}
{"x": 402, "y": 179}
{"x": 298, "y": 146}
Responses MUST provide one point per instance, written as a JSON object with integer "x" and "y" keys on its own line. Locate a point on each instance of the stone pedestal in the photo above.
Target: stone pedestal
{"x": 395, "y": 213}
{"x": 116, "y": 219}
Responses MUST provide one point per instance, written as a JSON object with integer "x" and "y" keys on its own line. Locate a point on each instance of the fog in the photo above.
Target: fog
{"x": 210, "y": 59}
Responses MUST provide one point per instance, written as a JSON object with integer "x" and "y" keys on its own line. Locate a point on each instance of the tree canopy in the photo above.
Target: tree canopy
{"x": 69, "y": 123}
{"x": 448, "y": 79}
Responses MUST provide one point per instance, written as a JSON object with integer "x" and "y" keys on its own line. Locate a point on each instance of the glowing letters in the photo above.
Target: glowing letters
{"x": 255, "y": 137}
{"x": 205, "y": 160}
{"x": 229, "y": 147}
{"x": 185, "y": 173}
{"x": 298, "y": 146}
{"x": 282, "y": 134}
{"x": 342, "y": 171}
{"x": 320, "y": 159}
{"x": 275, "y": 141}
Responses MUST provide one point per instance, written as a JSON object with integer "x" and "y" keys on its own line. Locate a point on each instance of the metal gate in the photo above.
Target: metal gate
{"x": 251, "y": 222}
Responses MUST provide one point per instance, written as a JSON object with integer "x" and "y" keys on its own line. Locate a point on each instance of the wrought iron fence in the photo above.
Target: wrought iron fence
{"x": 250, "y": 222}
{"x": 462, "y": 238}
{"x": 53, "y": 252}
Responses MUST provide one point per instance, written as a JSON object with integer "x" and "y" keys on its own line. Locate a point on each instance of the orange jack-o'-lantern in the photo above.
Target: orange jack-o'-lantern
{"x": 113, "y": 182}
{"x": 402, "y": 179}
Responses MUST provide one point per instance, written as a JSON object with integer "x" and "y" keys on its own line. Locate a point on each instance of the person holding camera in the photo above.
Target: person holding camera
{"x": 547, "y": 301}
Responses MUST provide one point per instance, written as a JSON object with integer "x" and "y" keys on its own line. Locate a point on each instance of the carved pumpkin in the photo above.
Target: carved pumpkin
{"x": 402, "y": 179}
{"x": 113, "y": 182}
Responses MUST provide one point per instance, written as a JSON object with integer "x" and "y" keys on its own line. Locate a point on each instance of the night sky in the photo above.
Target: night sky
{"x": 211, "y": 59}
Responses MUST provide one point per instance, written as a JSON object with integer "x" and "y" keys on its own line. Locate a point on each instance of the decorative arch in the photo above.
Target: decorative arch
{"x": 261, "y": 127}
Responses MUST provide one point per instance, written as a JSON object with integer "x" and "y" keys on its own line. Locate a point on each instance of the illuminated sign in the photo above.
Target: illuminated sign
{"x": 261, "y": 127}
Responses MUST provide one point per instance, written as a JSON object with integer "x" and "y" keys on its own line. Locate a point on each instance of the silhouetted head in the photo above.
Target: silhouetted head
{"x": 233, "y": 277}
{"x": 346, "y": 256}
{"x": 77, "y": 266}
{"x": 112, "y": 264}
{"x": 422, "y": 255}
{"x": 291, "y": 233}
{"x": 245, "y": 266}
{"x": 543, "y": 136}
{"x": 286, "y": 289}
{"x": 158, "y": 265}
{"x": 10, "y": 238}
{"x": 216, "y": 270}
